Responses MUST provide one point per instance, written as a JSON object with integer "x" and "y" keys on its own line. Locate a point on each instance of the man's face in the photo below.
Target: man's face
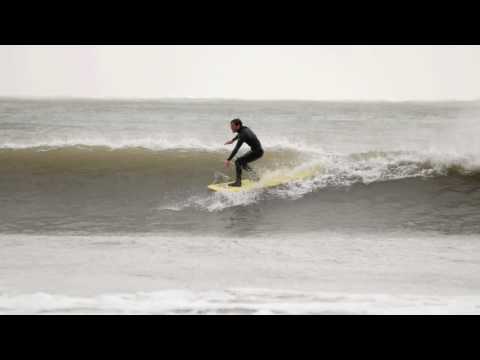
{"x": 234, "y": 127}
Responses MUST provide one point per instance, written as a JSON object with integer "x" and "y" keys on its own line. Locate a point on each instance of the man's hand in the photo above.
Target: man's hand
{"x": 229, "y": 142}
{"x": 227, "y": 163}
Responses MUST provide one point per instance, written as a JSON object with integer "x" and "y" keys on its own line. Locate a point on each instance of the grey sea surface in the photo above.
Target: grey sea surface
{"x": 105, "y": 208}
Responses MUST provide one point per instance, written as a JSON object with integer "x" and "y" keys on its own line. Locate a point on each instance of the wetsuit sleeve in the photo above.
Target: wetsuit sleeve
{"x": 237, "y": 147}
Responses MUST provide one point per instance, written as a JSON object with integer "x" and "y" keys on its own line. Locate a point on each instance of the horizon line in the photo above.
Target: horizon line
{"x": 120, "y": 98}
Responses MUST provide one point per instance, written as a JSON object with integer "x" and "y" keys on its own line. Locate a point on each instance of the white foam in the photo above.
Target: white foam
{"x": 333, "y": 170}
{"x": 329, "y": 170}
{"x": 343, "y": 171}
{"x": 239, "y": 301}
{"x": 165, "y": 142}
{"x": 147, "y": 143}
{"x": 214, "y": 202}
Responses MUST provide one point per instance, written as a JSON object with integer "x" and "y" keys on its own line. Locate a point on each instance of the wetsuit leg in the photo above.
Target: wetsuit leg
{"x": 242, "y": 162}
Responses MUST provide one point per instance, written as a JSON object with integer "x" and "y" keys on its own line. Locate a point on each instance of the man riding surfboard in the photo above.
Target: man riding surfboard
{"x": 245, "y": 135}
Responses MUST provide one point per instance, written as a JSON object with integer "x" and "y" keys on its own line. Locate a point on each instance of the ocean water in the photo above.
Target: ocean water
{"x": 105, "y": 208}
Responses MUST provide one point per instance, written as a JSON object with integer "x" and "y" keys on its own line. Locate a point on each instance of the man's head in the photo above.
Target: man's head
{"x": 235, "y": 125}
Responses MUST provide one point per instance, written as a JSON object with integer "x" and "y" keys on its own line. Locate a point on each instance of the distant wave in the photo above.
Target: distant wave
{"x": 155, "y": 144}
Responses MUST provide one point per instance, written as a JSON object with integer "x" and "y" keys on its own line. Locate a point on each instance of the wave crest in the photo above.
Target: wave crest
{"x": 335, "y": 171}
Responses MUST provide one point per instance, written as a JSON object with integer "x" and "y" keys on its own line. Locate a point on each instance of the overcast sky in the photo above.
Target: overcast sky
{"x": 244, "y": 72}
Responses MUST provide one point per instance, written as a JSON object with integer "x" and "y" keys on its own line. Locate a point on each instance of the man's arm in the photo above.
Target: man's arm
{"x": 231, "y": 141}
{"x": 237, "y": 147}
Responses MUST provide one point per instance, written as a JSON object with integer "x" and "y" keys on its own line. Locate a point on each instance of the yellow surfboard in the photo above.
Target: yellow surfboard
{"x": 268, "y": 182}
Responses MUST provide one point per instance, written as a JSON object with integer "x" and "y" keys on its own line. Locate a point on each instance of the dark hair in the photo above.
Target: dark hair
{"x": 236, "y": 122}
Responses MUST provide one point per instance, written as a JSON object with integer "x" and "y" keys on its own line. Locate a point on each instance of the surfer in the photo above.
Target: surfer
{"x": 245, "y": 135}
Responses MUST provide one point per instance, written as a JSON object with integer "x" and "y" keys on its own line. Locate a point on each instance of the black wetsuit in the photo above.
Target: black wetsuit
{"x": 245, "y": 135}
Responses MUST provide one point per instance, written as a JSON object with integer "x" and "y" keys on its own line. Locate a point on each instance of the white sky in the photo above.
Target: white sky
{"x": 244, "y": 72}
